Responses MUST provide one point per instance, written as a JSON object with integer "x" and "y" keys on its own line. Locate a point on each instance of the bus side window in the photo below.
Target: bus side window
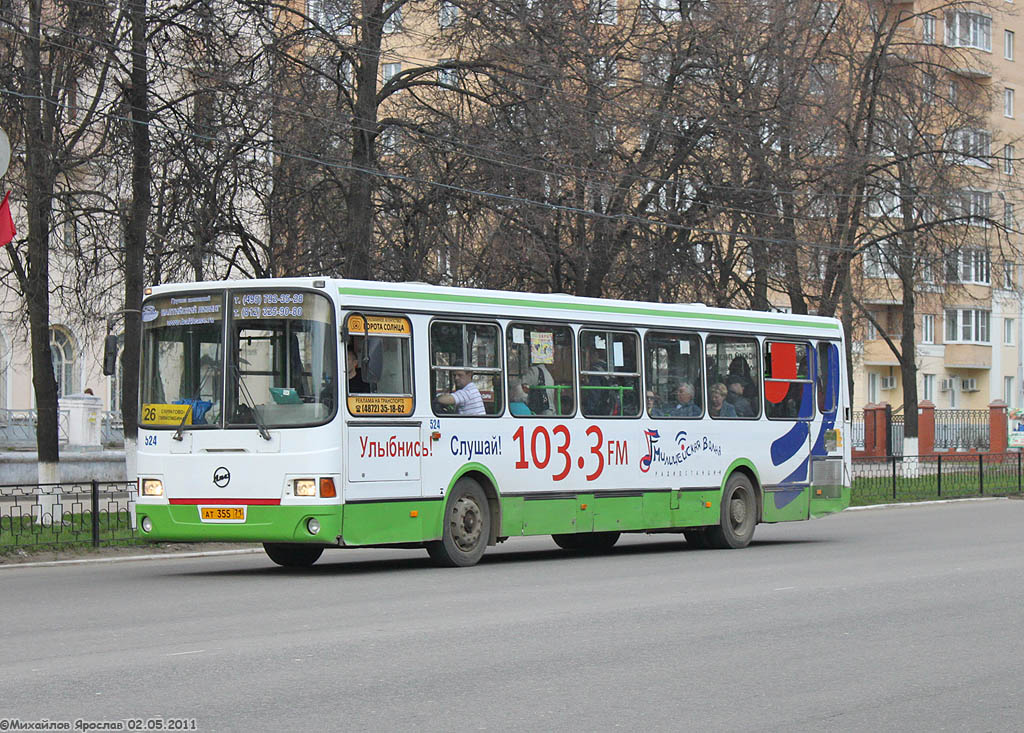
{"x": 733, "y": 377}
{"x": 540, "y": 369}
{"x": 467, "y": 347}
{"x": 609, "y": 374}
{"x": 674, "y": 384}
{"x": 788, "y": 387}
{"x": 827, "y": 377}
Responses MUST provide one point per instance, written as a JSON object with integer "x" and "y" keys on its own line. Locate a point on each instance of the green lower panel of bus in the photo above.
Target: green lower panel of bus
{"x": 181, "y": 523}
{"x": 822, "y": 506}
{"x": 590, "y": 513}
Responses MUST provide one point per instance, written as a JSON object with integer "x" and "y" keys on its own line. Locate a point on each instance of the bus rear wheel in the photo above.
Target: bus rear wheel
{"x": 293, "y": 556}
{"x": 467, "y": 527}
{"x": 587, "y": 541}
{"x": 739, "y": 515}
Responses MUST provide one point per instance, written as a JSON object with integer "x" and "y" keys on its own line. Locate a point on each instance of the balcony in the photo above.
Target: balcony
{"x": 968, "y": 356}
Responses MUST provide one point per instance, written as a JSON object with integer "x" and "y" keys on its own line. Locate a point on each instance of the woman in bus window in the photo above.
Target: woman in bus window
{"x": 719, "y": 407}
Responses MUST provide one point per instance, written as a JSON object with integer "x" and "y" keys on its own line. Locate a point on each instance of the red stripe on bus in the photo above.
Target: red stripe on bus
{"x": 250, "y": 502}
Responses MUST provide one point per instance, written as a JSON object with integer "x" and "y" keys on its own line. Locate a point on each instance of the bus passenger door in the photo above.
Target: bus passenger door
{"x": 827, "y": 449}
{"x": 789, "y": 407}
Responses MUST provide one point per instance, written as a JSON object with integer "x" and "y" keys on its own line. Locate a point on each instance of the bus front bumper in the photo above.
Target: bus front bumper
{"x": 182, "y": 523}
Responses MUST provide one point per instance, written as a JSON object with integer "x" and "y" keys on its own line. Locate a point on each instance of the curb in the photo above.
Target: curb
{"x": 129, "y": 558}
{"x": 906, "y": 504}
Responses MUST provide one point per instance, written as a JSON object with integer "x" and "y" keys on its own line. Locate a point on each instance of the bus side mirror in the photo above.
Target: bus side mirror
{"x": 110, "y": 355}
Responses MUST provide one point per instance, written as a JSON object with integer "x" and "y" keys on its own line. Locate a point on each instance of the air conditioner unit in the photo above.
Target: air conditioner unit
{"x": 969, "y": 385}
{"x": 888, "y": 382}
{"x": 946, "y": 384}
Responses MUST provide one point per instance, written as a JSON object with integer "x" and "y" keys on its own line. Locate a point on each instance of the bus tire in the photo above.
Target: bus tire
{"x": 739, "y": 515}
{"x": 696, "y": 538}
{"x": 587, "y": 541}
{"x": 467, "y": 525}
{"x": 292, "y": 555}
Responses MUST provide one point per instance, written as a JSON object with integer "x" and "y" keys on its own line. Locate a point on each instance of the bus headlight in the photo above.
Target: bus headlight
{"x": 313, "y": 525}
{"x": 305, "y": 487}
{"x": 152, "y": 487}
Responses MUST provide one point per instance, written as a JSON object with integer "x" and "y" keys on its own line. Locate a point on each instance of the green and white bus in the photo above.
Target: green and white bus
{"x": 308, "y": 413}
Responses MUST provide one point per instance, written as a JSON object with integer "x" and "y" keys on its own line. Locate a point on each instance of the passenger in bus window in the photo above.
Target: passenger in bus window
{"x": 356, "y": 383}
{"x": 719, "y": 407}
{"x": 654, "y": 406}
{"x": 466, "y": 398}
{"x": 685, "y": 406}
{"x": 517, "y": 398}
{"x": 735, "y": 397}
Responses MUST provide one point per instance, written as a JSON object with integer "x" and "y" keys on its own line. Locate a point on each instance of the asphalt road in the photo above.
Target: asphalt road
{"x": 903, "y": 619}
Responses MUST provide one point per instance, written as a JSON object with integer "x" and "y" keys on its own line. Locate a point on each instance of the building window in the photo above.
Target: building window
{"x": 1008, "y": 272}
{"x": 928, "y": 387}
{"x": 1008, "y": 45}
{"x": 605, "y": 12}
{"x": 974, "y": 146}
{"x": 447, "y": 14}
{"x": 1008, "y": 218}
{"x": 389, "y": 71}
{"x": 879, "y": 261}
{"x": 972, "y": 207}
{"x": 1008, "y": 326}
{"x": 928, "y": 329}
{"x": 331, "y": 15}
{"x": 1009, "y": 153}
{"x": 669, "y": 10}
{"x": 969, "y": 266}
{"x": 969, "y": 30}
{"x": 870, "y": 332}
{"x": 447, "y": 76}
{"x": 1008, "y": 391}
{"x": 393, "y": 23}
{"x": 1008, "y": 102}
{"x": 65, "y": 362}
{"x": 873, "y": 388}
{"x": 968, "y": 325}
{"x": 928, "y": 28}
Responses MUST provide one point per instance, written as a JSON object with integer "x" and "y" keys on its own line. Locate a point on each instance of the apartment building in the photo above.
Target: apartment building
{"x": 969, "y": 309}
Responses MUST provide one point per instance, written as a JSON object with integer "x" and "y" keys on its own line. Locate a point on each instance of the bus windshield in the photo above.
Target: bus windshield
{"x": 279, "y": 368}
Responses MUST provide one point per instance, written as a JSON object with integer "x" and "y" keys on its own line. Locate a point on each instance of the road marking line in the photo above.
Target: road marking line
{"x": 178, "y": 654}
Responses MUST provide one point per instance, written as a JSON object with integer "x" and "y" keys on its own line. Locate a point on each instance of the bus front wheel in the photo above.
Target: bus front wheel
{"x": 739, "y": 515}
{"x": 467, "y": 526}
{"x": 293, "y": 556}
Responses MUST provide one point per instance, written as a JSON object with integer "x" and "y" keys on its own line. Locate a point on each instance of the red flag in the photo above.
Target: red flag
{"x": 7, "y": 230}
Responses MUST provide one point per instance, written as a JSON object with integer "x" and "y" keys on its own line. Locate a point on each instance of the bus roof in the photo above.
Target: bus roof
{"x": 423, "y": 296}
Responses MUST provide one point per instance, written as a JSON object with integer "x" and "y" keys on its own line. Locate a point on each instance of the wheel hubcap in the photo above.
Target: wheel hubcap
{"x": 738, "y": 511}
{"x": 466, "y": 524}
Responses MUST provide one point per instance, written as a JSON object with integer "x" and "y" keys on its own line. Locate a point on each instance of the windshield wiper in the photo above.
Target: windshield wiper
{"x": 179, "y": 433}
{"x": 264, "y": 433}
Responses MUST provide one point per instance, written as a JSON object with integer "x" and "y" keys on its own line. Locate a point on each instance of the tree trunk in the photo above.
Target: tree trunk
{"x": 135, "y": 236}
{"x": 40, "y": 179}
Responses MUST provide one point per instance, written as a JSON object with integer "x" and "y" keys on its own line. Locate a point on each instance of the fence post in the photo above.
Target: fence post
{"x": 997, "y": 431}
{"x": 939, "y": 475}
{"x": 1018, "y": 473}
{"x": 894, "y": 478}
{"x": 95, "y": 513}
{"x": 981, "y": 474}
{"x": 925, "y": 427}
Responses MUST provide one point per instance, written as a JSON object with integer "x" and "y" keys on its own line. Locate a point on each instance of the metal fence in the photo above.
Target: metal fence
{"x": 954, "y": 430}
{"x": 18, "y": 428}
{"x": 918, "y": 478}
{"x": 86, "y": 514}
{"x": 961, "y": 429}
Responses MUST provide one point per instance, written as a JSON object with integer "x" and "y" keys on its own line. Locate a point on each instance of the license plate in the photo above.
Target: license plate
{"x": 222, "y": 513}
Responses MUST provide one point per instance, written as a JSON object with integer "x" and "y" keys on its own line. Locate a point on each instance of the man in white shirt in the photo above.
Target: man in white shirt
{"x": 466, "y": 398}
